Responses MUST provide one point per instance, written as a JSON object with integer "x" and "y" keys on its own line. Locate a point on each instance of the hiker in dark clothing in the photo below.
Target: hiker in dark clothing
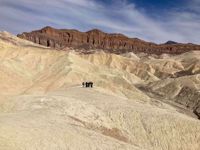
{"x": 87, "y": 84}
{"x": 83, "y": 84}
{"x": 91, "y": 84}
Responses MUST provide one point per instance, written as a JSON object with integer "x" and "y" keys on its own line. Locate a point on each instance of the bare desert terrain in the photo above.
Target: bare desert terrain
{"x": 139, "y": 101}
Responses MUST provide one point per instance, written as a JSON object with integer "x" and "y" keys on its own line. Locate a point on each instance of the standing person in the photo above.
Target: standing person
{"x": 91, "y": 84}
{"x": 83, "y": 84}
{"x": 86, "y": 84}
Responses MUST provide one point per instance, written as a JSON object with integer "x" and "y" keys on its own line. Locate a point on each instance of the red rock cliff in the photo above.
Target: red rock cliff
{"x": 96, "y": 39}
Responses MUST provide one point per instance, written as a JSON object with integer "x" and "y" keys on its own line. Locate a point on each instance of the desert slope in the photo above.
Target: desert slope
{"x": 43, "y": 106}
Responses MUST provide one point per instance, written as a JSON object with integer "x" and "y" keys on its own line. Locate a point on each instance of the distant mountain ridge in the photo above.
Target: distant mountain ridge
{"x": 96, "y": 39}
{"x": 171, "y": 42}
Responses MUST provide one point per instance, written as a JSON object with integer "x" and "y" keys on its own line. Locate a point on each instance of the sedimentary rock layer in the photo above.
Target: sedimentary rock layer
{"x": 96, "y": 39}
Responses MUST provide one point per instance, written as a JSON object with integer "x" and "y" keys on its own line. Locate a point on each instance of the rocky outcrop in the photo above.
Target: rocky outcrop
{"x": 96, "y": 39}
{"x": 190, "y": 98}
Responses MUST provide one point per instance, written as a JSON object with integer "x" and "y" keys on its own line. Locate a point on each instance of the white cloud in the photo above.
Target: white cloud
{"x": 26, "y": 15}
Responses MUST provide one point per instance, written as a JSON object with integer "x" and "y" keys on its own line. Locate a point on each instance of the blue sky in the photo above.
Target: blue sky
{"x": 152, "y": 20}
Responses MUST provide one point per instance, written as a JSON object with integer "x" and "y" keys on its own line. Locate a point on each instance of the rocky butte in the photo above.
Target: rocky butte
{"x": 96, "y": 39}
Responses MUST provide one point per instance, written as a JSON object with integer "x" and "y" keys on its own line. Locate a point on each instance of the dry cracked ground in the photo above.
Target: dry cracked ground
{"x": 139, "y": 102}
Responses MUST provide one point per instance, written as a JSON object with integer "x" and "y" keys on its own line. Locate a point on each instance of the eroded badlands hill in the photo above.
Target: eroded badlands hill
{"x": 96, "y": 39}
{"x": 139, "y": 102}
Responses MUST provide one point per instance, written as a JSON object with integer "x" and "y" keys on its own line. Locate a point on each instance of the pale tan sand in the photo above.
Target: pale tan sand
{"x": 44, "y": 107}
